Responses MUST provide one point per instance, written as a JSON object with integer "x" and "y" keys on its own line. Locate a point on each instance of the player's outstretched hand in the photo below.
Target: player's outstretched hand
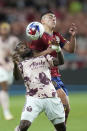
{"x": 73, "y": 29}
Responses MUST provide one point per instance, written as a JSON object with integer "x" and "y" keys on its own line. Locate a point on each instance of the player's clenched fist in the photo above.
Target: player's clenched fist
{"x": 73, "y": 29}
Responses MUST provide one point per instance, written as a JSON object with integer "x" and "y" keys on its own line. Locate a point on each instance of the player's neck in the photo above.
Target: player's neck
{"x": 4, "y": 37}
{"x": 48, "y": 30}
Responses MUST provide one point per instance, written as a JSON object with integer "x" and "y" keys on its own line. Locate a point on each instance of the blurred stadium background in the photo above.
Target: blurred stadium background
{"x": 74, "y": 72}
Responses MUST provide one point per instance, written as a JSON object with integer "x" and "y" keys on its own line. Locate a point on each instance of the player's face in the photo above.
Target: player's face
{"x": 49, "y": 20}
{"x": 4, "y": 31}
{"x": 23, "y": 48}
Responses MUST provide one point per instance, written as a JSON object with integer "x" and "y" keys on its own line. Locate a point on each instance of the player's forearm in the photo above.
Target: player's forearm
{"x": 16, "y": 58}
{"x": 72, "y": 44}
{"x": 43, "y": 53}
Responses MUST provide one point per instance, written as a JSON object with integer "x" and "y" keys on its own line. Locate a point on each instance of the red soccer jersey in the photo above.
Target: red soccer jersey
{"x": 44, "y": 42}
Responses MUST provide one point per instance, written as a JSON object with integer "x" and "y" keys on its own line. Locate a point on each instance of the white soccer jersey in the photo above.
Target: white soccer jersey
{"x": 37, "y": 77}
{"x": 9, "y": 44}
{"x": 6, "y": 49}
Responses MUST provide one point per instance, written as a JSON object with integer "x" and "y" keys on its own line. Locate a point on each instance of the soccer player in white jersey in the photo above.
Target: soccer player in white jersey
{"x": 7, "y": 45}
{"x": 40, "y": 92}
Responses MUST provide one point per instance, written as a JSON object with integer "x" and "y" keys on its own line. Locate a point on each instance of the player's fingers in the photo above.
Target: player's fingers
{"x": 71, "y": 29}
{"x": 74, "y": 27}
{"x": 73, "y": 24}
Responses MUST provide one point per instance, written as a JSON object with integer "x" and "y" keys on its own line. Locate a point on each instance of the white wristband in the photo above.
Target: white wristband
{"x": 54, "y": 47}
{"x": 57, "y": 48}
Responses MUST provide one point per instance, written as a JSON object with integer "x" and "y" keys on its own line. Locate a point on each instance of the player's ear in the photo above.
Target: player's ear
{"x": 42, "y": 21}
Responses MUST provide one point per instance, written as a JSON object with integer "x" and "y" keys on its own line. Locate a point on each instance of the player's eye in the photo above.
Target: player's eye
{"x": 50, "y": 17}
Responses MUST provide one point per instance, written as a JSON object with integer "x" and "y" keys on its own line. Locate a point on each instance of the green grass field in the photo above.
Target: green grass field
{"x": 77, "y": 119}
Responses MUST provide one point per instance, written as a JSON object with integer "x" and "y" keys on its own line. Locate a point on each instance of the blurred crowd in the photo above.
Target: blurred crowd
{"x": 20, "y": 13}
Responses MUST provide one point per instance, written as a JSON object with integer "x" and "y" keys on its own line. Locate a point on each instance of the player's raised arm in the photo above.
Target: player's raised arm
{"x": 70, "y": 46}
{"x": 16, "y": 56}
{"x": 20, "y": 54}
{"x": 16, "y": 59}
{"x": 45, "y": 52}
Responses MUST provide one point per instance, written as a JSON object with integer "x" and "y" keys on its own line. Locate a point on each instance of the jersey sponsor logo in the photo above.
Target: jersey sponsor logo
{"x": 37, "y": 63}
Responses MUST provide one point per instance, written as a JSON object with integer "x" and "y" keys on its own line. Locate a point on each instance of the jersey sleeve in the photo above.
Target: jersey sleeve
{"x": 62, "y": 40}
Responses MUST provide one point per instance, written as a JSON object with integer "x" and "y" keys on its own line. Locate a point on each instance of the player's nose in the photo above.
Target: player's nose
{"x": 54, "y": 19}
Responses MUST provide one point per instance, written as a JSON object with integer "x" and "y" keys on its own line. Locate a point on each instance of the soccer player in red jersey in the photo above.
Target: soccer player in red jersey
{"x": 48, "y": 19}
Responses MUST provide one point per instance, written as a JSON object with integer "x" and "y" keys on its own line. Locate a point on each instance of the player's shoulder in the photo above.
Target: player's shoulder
{"x": 60, "y": 36}
{"x": 57, "y": 34}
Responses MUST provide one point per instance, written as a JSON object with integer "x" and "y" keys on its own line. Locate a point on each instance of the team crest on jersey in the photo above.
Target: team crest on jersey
{"x": 49, "y": 42}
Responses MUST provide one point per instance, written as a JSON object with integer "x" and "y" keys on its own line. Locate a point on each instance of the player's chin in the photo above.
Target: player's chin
{"x": 53, "y": 26}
